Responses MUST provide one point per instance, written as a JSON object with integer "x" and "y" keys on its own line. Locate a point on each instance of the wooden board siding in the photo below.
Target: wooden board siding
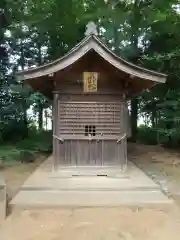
{"x": 92, "y": 152}
{"x": 102, "y": 111}
{"x": 106, "y": 113}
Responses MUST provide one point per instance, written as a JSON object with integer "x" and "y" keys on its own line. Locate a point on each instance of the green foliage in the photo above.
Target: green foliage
{"x": 9, "y": 127}
{"x": 9, "y": 153}
{"x": 147, "y": 135}
{"x": 37, "y": 141}
{"x": 144, "y": 32}
{"x": 26, "y": 150}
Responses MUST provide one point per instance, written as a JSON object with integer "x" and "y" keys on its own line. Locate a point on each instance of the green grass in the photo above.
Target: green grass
{"x": 9, "y": 152}
{"x": 25, "y": 150}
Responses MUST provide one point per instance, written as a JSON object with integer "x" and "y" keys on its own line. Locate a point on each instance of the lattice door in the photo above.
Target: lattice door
{"x": 95, "y": 118}
{"x": 100, "y": 120}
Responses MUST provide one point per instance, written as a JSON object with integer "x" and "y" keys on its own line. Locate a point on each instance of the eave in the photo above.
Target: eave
{"x": 87, "y": 44}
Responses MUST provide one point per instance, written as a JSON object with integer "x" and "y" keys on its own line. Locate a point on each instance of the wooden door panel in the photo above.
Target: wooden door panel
{"x": 90, "y": 153}
{"x": 110, "y": 154}
{"x": 73, "y": 151}
{"x": 83, "y": 153}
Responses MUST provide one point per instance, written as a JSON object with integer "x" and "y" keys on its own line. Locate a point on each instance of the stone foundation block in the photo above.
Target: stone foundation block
{"x": 2, "y": 198}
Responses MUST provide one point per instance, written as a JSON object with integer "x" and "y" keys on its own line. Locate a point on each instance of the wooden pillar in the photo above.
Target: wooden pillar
{"x": 125, "y": 128}
{"x": 134, "y": 116}
{"x": 124, "y": 117}
{"x": 55, "y": 131}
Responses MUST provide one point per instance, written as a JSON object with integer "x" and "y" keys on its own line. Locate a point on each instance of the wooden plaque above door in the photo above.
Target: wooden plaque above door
{"x": 90, "y": 80}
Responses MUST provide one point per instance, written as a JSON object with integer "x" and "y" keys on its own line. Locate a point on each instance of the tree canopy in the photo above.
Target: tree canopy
{"x": 146, "y": 32}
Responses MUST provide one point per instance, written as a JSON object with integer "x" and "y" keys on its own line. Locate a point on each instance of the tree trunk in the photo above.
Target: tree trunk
{"x": 40, "y": 107}
{"x": 169, "y": 126}
{"x": 153, "y": 118}
{"x": 25, "y": 120}
{"x": 134, "y": 114}
{"x": 157, "y": 126}
{"x": 135, "y": 20}
{"x": 3, "y": 25}
{"x": 40, "y": 117}
{"x": 24, "y": 105}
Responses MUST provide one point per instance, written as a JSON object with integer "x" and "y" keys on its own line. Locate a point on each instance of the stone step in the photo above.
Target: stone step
{"x": 3, "y": 198}
{"x": 88, "y": 184}
{"x": 48, "y": 199}
{"x": 90, "y": 171}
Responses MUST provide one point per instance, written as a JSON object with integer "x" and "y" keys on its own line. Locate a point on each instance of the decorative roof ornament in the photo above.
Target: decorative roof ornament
{"x": 91, "y": 29}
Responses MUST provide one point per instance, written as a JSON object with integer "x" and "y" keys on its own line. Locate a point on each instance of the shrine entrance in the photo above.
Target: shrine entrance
{"x": 91, "y": 133}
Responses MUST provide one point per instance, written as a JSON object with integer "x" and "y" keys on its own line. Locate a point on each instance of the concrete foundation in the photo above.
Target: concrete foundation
{"x": 68, "y": 188}
{"x": 2, "y": 198}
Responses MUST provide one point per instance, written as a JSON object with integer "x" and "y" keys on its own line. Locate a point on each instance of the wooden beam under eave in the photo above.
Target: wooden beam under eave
{"x": 138, "y": 86}
{"x": 43, "y": 85}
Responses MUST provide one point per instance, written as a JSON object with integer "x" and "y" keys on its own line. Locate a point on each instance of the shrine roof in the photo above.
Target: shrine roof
{"x": 89, "y": 43}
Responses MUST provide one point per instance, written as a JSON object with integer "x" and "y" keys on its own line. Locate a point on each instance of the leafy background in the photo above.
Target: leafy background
{"x": 34, "y": 32}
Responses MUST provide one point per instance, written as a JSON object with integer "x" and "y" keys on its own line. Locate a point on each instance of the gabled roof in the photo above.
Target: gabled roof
{"x": 89, "y": 43}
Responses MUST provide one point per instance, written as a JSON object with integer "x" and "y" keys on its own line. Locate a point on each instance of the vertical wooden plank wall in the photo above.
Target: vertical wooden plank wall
{"x": 71, "y": 116}
{"x": 125, "y": 126}
{"x": 55, "y": 131}
{"x": 126, "y": 131}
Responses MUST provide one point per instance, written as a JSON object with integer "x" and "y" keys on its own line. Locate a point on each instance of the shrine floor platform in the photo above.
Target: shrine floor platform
{"x": 68, "y": 187}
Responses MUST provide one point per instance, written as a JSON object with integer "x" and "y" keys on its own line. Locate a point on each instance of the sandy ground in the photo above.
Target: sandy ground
{"x": 16, "y": 175}
{"x": 162, "y": 165}
{"x": 92, "y": 223}
{"x": 125, "y": 223}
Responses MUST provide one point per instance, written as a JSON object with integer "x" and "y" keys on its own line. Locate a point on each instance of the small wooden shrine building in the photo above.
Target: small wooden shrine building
{"x": 90, "y": 87}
